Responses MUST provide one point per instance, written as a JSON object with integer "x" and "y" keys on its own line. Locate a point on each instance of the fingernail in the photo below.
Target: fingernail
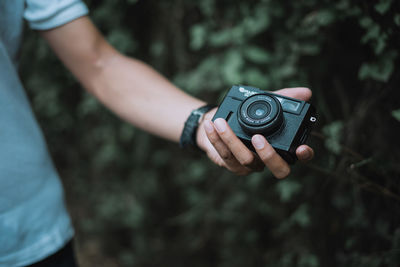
{"x": 208, "y": 126}
{"x": 220, "y": 125}
{"x": 258, "y": 142}
{"x": 306, "y": 153}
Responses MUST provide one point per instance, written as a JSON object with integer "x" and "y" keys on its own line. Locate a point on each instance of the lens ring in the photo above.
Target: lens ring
{"x": 268, "y": 119}
{"x": 259, "y": 109}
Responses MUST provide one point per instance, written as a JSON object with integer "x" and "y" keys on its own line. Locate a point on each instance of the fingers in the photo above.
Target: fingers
{"x": 234, "y": 153}
{"x": 304, "y": 153}
{"x": 241, "y": 152}
{"x": 279, "y": 167}
{"x": 301, "y": 93}
{"x": 244, "y": 156}
{"x": 239, "y": 159}
{"x": 228, "y": 160}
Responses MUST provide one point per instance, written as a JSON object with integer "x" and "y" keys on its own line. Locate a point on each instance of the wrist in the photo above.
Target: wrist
{"x": 201, "y": 138}
{"x": 190, "y": 130}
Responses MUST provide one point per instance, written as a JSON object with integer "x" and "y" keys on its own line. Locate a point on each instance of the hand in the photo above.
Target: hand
{"x": 225, "y": 149}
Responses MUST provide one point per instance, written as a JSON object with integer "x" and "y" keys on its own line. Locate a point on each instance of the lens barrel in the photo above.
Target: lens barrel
{"x": 259, "y": 109}
{"x": 260, "y": 113}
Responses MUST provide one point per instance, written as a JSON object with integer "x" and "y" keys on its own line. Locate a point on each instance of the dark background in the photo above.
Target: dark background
{"x": 137, "y": 200}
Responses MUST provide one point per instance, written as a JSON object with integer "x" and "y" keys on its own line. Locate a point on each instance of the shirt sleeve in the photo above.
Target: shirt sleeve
{"x": 48, "y": 14}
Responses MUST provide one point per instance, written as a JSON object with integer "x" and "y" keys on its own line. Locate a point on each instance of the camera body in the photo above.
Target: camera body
{"x": 285, "y": 122}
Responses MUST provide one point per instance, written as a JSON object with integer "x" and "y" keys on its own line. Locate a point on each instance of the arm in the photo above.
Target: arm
{"x": 141, "y": 96}
{"x": 128, "y": 87}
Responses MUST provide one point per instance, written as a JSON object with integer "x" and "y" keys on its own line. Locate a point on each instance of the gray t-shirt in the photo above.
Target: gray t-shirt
{"x": 33, "y": 220}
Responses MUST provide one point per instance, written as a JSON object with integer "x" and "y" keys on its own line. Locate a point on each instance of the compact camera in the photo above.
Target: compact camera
{"x": 285, "y": 122}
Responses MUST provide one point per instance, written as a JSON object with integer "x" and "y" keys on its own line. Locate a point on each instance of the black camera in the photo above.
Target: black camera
{"x": 285, "y": 122}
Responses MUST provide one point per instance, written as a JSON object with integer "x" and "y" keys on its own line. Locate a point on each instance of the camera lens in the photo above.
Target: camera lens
{"x": 260, "y": 113}
{"x": 258, "y": 110}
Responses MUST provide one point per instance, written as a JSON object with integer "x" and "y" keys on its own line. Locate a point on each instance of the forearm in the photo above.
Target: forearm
{"x": 140, "y": 95}
{"x": 128, "y": 87}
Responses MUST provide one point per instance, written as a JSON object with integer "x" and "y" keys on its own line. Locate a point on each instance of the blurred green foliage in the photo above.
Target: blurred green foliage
{"x": 137, "y": 200}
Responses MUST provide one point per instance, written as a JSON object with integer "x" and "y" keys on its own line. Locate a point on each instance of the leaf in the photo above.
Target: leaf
{"x": 232, "y": 66}
{"x": 157, "y": 49}
{"x": 258, "y": 22}
{"x": 396, "y": 114}
{"x": 333, "y": 132}
{"x": 257, "y": 54}
{"x": 325, "y": 17}
{"x": 288, "y": 188}
{"x": 396, "y": 19}
{"x": 222, "y": 38}
{"x": 373, "y": 33}
{"x": 198, "y": 36}
{"x": 383, "y": 6}
{"x": 255, "y": 77}
{"x": 380, "y": 70}
{"x": 366, "y": 22}
{"x": 120, "y": 39}
{"x": 207, "y": 75}
{"x": 301, "y": 216}
{"x": 308, "y": 260}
